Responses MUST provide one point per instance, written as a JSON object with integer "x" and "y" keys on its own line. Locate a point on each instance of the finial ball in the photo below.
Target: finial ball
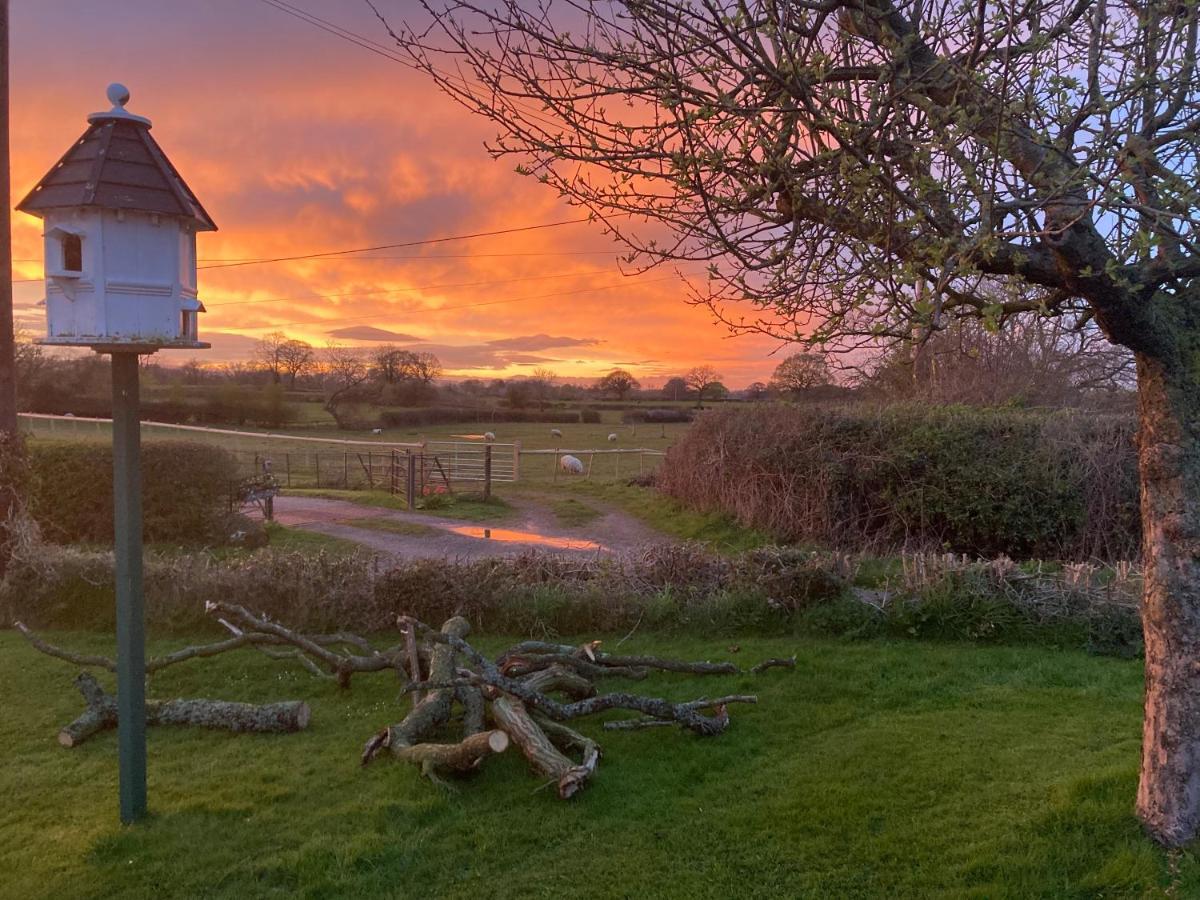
{"x": 118, "y": 94}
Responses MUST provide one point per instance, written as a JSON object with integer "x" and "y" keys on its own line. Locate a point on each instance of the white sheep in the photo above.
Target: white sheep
{"x": 376, "y": 431}
{"x": 612, "y": 437}
{"x": 572, "y": 465}
{"x": 555, "y": 432}
{"x": 489, "y": 436}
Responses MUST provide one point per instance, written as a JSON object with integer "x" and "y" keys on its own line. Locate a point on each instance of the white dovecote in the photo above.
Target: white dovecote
{"x": 120, "y": 229}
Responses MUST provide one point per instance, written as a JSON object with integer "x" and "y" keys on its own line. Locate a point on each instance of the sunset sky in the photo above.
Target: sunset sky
{"x": 298, "y": 142}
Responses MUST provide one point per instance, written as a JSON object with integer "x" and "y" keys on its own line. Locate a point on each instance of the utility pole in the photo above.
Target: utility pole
{"x": 8, "y": 366}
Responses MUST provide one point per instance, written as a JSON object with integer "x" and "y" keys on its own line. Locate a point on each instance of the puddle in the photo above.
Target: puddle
{"x": 508, "y": 536}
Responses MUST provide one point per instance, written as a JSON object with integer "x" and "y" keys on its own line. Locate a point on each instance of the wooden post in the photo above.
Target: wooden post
{"x": 8, "y": 367}
{"x": 346, "y": 471}
{"x": 487, "y": 472}
{"x": 516, "y": 465}
{"x": 287, "y": 463}
{"x": 317, "y": 459}
{"x": 127, "y": 528}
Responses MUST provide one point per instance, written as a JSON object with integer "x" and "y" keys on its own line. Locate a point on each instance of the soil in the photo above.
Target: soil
{"x": 533, "y": 526}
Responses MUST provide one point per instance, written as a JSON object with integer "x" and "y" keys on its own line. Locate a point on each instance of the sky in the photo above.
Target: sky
{"x": 297, "y": 142}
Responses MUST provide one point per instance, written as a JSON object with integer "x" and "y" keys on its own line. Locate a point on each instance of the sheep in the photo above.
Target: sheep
{"x": 612, "y": 437}
{"x": 489, "y": 436}
{"x": 376, "y": 431}
{"x": 556, "y": 432}
{"x": 572, "y": 465}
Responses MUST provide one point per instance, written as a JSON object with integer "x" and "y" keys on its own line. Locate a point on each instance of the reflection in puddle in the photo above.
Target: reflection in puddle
{"x": 523, "y": 537}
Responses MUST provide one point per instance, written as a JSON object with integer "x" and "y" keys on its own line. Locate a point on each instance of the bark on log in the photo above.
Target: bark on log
{"x": 474, "y": 709}
{"x": 461, "y": 757}
{"x": 545, "y": 759}
{"x": 224, "y": 715}
{"x": 560, "y": 679}
{"x": 341, "y": 665}
{"x": 773, "y": 663}
{"x": 684, "y": 713}
{"x": 589, "y": 653}
{"x": 435, "y": 707}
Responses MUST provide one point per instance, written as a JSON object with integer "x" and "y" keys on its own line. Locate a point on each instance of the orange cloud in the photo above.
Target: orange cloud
{"x": 296, "y": 142}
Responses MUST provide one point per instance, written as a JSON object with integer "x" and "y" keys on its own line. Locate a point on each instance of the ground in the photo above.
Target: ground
{"x": 875, "y": 770}
{"x": 529, "y": 522}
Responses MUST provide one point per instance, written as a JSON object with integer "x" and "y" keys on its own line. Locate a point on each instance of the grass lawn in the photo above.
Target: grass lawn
{"x": 875, "y": 770}
{"x": 471, "y": 508}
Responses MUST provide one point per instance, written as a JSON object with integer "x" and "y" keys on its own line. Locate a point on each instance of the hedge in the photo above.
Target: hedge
{"x": 186, "y": 488}
{"x": 454, "y": 415}
{"x": 986, "y": 482}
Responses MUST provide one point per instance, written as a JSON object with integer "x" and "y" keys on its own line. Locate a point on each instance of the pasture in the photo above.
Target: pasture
{"x": 874, "y": 770}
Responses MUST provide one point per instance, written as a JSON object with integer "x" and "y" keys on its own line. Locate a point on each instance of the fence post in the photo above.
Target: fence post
{"x": 516, "y": 460}
{"x": 317, "y": 460}
{"x": 411, "y": 481}
{"x": 287, "y": 464}
{"x": 487, "y": 472}
{"x": 346, "y": 471}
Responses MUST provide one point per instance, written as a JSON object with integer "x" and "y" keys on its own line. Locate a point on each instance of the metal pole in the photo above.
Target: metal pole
{"x": 127, "y": 528}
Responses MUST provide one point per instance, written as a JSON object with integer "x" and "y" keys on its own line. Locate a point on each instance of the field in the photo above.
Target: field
{"x": 875, "y": 770}
{"x": 536, "y": 468}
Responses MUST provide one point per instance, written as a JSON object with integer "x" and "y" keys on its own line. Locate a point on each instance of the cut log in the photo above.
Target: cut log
{"x": 562, "y": 680}
{"x": 590, "y": 652}
{"x": 773, "y": 663}
{"x": 464, "y": 756}
{"x": 544, "y": 758}
{"x": 435, "y": 707}
{"x": 224, "y": 715}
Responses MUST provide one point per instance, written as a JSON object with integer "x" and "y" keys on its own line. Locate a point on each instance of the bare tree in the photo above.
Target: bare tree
{"x": 1037, "y": 361}
{"x": 703, "y": 380}
{"x": 345, "y": 372}
{"x": 800, "y": 372}
{"x": 295, "y": 358}
{"x": 269, "y": 353}
{"x": 865, "y": 168}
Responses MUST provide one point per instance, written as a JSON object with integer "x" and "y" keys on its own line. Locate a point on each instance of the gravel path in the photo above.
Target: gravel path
{"x": 533, "y": 526}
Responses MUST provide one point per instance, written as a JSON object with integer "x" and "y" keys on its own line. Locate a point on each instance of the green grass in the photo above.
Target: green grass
{"x": 717, "y": 530}
{"x": 874, "y": 770}
{"x": 467, "y": 507}
{"x": 573, "y": 513}
{"x": 297, "y": 539}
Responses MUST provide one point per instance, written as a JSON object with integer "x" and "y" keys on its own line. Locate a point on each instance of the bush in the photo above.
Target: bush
{"x": 980, "y": 481}
{"x": 589, "y": 416}
{"x": 658, "y": 416}
{"x": 454, "y": 415}
{"x": 772, "y": 590}
{"x": 185, "y": 491}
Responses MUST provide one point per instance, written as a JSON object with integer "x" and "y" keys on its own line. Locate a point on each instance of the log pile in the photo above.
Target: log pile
{"x": 464, "y": 708}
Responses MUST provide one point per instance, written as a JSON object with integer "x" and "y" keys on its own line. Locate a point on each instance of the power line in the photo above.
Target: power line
{"x": 607, "y": 287}
{"x": 415, "y": 288}
{"x": 388, "y": 53}
{"x": 422, "y": 257}
{"x": 458, "y": 237}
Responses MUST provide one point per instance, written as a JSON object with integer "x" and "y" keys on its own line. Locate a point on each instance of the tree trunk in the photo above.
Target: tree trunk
{"x": 101, "y": 714}
{"x": 1168, "y": 800}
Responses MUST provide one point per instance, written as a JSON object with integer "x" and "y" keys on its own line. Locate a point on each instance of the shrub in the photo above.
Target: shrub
{"x": 185, "y": 491}
{"x": 979, "y": 481}
{"x": 658, "y": 416}
{"x": 780, "y": 591}
{"x": 454, "y": 415}
{"x": 589, "y": 416}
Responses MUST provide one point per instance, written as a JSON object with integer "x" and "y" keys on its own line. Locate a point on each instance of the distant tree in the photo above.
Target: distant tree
{"x": 801, "y": 371}
{"x": 269, "y": 352}
{"x": 296, "y": 358}
{"x": 541, "y": 384}
{"x": 517, "y": 394}
{"x": 675, "y": 389}
{"x": 757, "y": 391}
{"x": 701, "y": 380}
{"x": 472, "y": 386}
{"x": 192, "y": 372}
{"x": 344, "y": 372}
{"x": 619, "y": 383}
